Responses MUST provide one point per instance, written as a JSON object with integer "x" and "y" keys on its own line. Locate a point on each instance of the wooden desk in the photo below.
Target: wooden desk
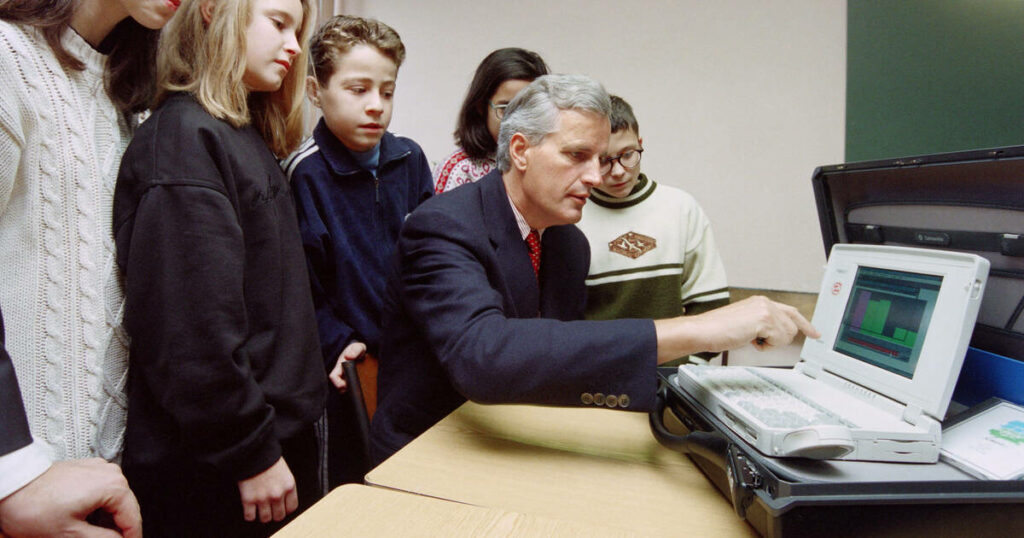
{"x": 592, "y": 466}
{"x": 355, "y": 510}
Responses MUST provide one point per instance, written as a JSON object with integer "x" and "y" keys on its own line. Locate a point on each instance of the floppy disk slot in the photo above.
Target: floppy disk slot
{"x": 740, "y": 425}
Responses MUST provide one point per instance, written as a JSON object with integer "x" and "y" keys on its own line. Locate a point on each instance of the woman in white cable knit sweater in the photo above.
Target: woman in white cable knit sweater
{"x": 73, "y": 74}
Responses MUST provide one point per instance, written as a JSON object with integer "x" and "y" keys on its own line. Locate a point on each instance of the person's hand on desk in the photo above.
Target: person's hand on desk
{"x": 353, "y": 351}
{"x": 755, "y": 320}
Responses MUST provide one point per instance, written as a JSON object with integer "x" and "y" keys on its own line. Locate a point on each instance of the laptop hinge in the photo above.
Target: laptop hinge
{"x": 912, "y": 414}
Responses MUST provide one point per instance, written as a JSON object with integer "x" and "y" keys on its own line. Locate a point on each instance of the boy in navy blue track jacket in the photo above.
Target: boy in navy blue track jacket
{"x": 354, "y": 183}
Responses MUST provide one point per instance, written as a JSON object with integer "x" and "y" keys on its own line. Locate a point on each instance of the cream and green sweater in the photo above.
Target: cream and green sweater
{"x": 652, "y": 255}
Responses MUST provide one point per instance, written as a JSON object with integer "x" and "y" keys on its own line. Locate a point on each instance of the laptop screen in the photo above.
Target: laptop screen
{"x": 886, "y": 318}
{"x": 897, "y": 320}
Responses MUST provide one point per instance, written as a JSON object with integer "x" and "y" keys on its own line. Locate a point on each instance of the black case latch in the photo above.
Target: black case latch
{"x": 743, "y": 480}
{"x": 1011, "y": 245}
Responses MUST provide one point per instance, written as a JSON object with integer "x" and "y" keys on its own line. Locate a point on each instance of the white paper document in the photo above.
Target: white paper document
{"x": 989, "y": 444}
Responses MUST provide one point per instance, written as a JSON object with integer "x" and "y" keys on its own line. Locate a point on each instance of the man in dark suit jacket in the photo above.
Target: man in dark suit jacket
{"x": 466, "y": 317}
{"x": 40, "y": 499}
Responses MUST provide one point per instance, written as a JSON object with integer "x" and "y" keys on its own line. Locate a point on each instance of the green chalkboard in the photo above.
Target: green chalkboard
{"x": 932, "y": 76}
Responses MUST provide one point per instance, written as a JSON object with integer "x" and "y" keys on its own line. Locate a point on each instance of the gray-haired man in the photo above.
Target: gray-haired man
{"x": 474, "y": 311}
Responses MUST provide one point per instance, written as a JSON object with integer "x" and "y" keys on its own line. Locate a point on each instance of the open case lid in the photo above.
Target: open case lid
{"x": 967, "y": 201}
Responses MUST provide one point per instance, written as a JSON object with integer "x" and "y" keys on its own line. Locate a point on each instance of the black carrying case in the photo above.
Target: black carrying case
{"x": 967, "y": 201}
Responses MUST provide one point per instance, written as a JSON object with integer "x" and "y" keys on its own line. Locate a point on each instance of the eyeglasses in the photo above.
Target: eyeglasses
{"x": 499, "y": 110}
{"x": 628, "y": 159}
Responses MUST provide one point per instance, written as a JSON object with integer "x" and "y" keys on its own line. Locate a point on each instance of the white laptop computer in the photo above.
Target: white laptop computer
{"x": 895, "y": 323}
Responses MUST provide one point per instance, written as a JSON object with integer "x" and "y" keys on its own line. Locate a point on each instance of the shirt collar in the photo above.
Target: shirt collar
{"x": 524, "y": 228}
{"x": 368, "y": 160}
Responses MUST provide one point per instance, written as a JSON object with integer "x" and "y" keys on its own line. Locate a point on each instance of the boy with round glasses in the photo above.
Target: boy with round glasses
{"x": 652, "y": 253}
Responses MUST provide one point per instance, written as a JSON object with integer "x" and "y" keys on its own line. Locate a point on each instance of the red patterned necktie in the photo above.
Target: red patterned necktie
{"x": 533, "y": 242}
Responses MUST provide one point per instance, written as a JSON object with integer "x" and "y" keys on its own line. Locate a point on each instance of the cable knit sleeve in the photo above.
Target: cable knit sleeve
{"x": 11, "y": 110}
{"x": 61, "y": 141}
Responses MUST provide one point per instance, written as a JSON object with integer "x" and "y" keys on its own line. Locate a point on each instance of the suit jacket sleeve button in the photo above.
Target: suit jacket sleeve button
{"x": 611, "y": 400}
{"x": 623, "y": 401}
{"x": 587, "y": 398}
{"x": 598, "y": 398}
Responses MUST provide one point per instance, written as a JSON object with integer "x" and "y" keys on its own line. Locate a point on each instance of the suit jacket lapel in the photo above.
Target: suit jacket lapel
{"x": 552, "y": 267}
{"x": 521, "y": 292}
{"x": 565, "y": 259}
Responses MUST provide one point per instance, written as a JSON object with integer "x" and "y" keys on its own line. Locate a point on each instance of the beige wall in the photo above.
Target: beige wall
{"x": 738, "y": 100}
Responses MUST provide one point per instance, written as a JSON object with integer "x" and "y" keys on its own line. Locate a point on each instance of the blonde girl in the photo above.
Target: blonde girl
{"x": 225, "y": 378}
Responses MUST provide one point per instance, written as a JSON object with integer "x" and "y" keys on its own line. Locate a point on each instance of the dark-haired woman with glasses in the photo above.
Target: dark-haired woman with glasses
{"x": 498, "y": 79}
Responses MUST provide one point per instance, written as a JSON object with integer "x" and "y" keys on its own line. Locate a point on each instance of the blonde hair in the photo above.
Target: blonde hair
{"x": 209, "y": 61}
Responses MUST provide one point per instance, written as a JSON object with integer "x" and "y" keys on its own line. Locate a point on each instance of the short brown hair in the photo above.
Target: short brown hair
{"x": 622, "y": 116}
{"x": 341, "y": 33}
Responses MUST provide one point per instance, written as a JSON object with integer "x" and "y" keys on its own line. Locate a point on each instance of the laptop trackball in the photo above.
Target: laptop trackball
{"x": 817, "y": 442}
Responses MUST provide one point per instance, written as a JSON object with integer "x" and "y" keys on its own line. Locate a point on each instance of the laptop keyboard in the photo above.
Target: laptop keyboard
{"x": 773, "y": 405}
